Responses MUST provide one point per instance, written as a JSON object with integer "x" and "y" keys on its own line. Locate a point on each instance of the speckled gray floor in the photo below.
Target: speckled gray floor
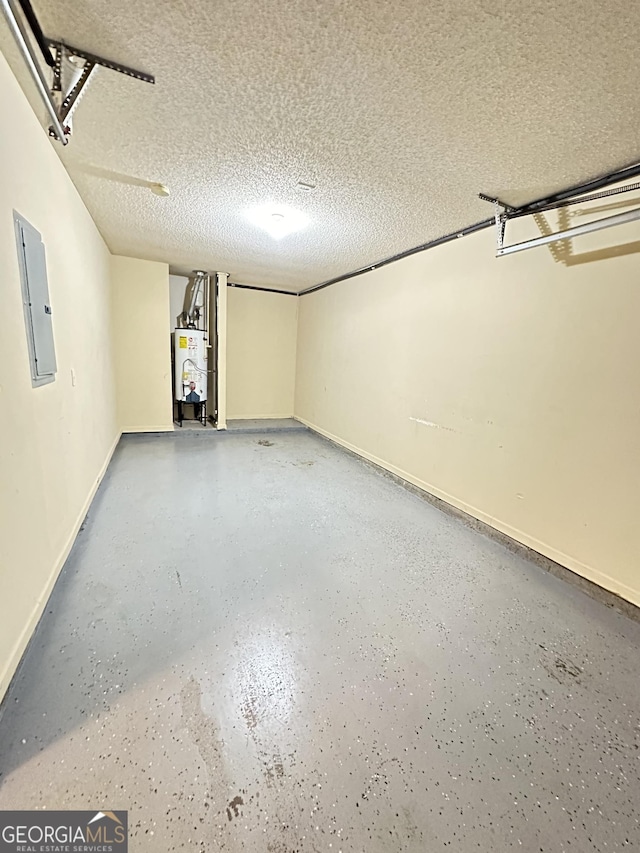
{"x": 244, "y": 425}
{"x": 264, "y": 424}
{"x": 261, "y": 644}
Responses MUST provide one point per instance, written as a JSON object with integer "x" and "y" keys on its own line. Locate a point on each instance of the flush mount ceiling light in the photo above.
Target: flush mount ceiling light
{"x": 278, "y": 220}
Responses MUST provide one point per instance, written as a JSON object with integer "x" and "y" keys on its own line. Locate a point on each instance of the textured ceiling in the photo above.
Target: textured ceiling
{"x": 399, "y": 112}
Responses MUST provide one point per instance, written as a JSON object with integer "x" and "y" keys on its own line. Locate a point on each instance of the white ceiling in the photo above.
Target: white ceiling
{"x": 399, "y": 112}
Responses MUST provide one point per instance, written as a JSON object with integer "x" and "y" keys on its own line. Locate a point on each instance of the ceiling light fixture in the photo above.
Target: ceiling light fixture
{"x": 278, "y": 220}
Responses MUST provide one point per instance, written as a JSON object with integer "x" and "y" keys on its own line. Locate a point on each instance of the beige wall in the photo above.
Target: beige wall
{"x": 142, "y": 344}
{"x": 261, "y": 353}
{"x": 507, "y": 387}
{"x": 177, "y": 287}
{"x": 56, "y": 440}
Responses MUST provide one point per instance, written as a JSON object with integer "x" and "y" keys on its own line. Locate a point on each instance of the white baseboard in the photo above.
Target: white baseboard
{"x": 163, "y": 428}
{"x": 270, "y": 417}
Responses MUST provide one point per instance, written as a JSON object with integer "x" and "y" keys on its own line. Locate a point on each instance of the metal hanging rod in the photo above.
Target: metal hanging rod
{"x": 503, "y": 213}
{"x": 585, "y": 228}
{"x": 22, "y": 39}
{"x": 59, "y": 104}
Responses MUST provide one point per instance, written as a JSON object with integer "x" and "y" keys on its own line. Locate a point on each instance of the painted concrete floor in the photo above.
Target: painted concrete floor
{"x": 264, "y": 424}
{"x": 244, "y": 425}
{"x": 262, "y": 644}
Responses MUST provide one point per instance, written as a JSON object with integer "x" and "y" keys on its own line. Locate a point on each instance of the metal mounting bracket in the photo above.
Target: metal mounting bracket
{"x": 507, "y": 207}
{"x": 501, "y": 225}
{"x": 100, "y": 60}
{"x": 85, "y": 63}
{"x": 501, "y": 212}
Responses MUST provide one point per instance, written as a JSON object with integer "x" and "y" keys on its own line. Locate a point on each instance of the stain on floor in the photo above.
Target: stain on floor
{"x": 288, "y": 652}
{"x": 233, "y": 809}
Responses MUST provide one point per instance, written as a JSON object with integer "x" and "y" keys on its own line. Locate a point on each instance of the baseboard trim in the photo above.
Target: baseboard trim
{"x": 163, "y": 428}
{"x": 258, "y": 417}
{"x": 20, "y": 647}
{"x": 595, "y": 583}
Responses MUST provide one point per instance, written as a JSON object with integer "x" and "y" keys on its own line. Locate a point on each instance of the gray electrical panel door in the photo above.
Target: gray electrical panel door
{"x": 35, "y": 297}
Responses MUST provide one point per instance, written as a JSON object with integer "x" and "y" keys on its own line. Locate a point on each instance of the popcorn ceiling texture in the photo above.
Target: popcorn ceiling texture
{"x": 399, "y": 112}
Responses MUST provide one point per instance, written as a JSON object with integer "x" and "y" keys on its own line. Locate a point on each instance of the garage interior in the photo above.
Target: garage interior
{"x": 320, "y": 422}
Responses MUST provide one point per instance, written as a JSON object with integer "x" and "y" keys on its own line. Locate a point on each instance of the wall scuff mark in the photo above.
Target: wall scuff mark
{"x": 432, "y": 424}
